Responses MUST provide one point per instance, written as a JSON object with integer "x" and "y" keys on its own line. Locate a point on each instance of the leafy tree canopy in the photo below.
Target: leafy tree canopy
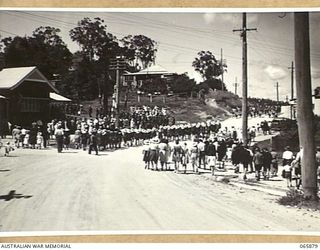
{"x": 94, "y": 40}
{"x": 140, "y": 49}
{"x": 182, "y": 83}
{"x": 207, "y": 65}
{"x": 44, "y": 49}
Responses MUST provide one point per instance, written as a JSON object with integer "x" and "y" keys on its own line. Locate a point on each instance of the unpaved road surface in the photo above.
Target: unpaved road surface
{"x": 113, "y": 191}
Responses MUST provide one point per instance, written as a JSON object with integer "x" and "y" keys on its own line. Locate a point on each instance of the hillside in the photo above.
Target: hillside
{"x": 217, "y": 104}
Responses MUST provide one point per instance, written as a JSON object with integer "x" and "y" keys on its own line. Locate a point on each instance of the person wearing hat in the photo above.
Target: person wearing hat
{"x": 93, "y": 142}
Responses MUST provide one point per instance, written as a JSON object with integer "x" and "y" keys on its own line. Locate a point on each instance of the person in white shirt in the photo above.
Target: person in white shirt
{"x": 202, "y": 155}
{"x": 287, "y": 156}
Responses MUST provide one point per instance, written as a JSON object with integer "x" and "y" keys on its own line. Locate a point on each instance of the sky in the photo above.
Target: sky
{"x": 181, "y": 35}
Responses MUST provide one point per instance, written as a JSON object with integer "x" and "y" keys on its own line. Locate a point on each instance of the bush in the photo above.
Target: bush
{"x": 293, "y": 198}
{"x": 225, "y": 180}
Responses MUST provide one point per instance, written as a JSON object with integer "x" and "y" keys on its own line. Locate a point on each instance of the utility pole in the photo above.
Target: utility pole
{"x": 117, "y": 64}
{"x": 277, "y": 89}
{"x": 235, "y": 87}
{"x": 222, "y": 78}
{"x": 305, "y": 114}
{"x": 292, "y": 90}
{"x": 243, "y": 34}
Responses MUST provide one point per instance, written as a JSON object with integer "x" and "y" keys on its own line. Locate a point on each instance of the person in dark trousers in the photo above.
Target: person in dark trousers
{"x": 211, "y": 154}
{"x": 59, "y": 138}
{"x": 33, "y": 135}
{"x": 258, "y": 162}
{"x": 45, "y": 135}
{"x": 90, "y": 111}
{"x": 93, "y": 142}
{"x": 267, "y": 159}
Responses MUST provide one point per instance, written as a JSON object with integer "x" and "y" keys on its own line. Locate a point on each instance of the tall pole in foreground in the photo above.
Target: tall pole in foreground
{"x": 305, "y": 115}
{"x": 244, "y": 79}
{"x": 245, "y": 82}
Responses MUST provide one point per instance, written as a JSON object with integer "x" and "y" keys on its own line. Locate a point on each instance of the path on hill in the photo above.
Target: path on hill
{"x": 76, "y": 191}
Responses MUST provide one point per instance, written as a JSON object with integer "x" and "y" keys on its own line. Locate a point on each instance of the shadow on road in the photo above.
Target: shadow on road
{"x": 13, "y": 195}
{"x": 5, "y": 170}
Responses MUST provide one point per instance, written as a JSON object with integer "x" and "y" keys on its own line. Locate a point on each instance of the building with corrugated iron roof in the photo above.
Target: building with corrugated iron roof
{"x": 25, "y": 95}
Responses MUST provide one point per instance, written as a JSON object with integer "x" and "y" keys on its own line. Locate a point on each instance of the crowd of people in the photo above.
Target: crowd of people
{"x": 188, "y": 146}
{"x": 259, "y": 109}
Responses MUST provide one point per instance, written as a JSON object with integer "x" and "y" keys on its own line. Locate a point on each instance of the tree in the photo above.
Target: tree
{"x": 140, "y": 50}
{"x": 215, "y": 83}
{"x": 182, "y": 84}
{"x": 44, "y": 49}
{"x": 97, "y": 48}
{"x": 57, "y": 56}
{"x": 207, "y": 65}
{"x": 93, "y": 38}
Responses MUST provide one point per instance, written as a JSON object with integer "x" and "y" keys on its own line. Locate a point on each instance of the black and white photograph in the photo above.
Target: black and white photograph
{"x": 159, "y": 121}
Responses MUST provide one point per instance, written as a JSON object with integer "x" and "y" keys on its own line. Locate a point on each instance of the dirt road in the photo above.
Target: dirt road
{"x": 113, "y": 191}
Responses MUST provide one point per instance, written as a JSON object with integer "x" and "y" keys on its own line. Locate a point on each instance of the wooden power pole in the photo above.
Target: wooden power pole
{"x": 305, "y": 115}
{"x": 244, "y": 78}
{"x": 292, "y": 89}
{"x": 277, "y": 90}
{"x": 222, "y": 77}
{"x": 117, "y": 64}
{"x": 235, "y": 86}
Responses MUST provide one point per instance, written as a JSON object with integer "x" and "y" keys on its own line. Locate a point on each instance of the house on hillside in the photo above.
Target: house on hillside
{"x": 25, "y": 95}
{"x": 137, "y": 79}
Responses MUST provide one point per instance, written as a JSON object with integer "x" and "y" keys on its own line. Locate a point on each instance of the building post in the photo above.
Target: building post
{"x": 305, "y": 115}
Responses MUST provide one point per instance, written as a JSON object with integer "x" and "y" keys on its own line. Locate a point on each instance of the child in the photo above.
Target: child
{"x": 26, "y": 140}
{"x": 146, "y": 154}
{"x": 7, "y": 149}
{"x": 77, "y": 139}
{"x": 39, "y": 140}
{"x": 287, "y": 174}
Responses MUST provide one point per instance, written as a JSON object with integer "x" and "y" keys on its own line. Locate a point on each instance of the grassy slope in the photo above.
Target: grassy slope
{"x": 184, "y": 108}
